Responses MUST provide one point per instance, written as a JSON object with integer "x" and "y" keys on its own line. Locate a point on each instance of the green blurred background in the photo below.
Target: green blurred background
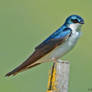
{"x": 24, "y": 24}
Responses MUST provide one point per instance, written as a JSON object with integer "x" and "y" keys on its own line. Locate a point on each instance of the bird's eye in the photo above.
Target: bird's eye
{"x": 74, "y": 20}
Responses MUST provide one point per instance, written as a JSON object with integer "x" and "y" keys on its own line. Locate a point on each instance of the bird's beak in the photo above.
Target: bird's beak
{"x": 81, "y": 22}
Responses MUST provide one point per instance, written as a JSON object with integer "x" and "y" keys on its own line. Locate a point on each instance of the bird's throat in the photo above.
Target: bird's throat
{"x": 75, "y": 27}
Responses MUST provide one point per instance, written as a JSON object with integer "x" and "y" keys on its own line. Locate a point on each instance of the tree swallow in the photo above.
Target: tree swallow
{"x": 55, "y": 46}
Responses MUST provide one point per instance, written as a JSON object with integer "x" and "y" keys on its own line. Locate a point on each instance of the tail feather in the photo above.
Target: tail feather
{"x": 19, "y": 69}
{"x": 15, "y": 71}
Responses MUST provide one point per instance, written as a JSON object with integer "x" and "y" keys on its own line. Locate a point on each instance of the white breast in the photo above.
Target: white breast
{"x": 69, "y": 44}
{"x": 65, "y": 47}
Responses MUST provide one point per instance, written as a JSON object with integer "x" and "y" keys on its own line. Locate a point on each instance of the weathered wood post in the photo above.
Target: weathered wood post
{"x": 59, "y": 77}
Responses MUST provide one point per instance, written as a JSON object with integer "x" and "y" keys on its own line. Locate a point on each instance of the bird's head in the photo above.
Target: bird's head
{"x": 74, "y": 22}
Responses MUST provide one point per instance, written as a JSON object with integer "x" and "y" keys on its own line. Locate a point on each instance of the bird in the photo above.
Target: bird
{"x": 55, "y": 46}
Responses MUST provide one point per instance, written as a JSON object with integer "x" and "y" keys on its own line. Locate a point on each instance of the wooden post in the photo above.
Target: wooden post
{"x": 59, "y": 77}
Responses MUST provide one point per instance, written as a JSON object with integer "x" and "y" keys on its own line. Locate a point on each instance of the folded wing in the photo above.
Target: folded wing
{"x": 40, "y": 51}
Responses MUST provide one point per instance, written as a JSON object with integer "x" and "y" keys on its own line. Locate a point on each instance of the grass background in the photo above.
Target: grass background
{"x": 25, "y": 23}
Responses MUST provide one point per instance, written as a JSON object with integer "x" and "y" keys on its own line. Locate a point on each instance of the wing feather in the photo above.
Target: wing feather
{"x": 40, "y": 51}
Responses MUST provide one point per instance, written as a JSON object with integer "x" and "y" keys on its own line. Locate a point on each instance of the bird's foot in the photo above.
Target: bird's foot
{"x": 60, "y": 61}
{"x": 54, "y": 60}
